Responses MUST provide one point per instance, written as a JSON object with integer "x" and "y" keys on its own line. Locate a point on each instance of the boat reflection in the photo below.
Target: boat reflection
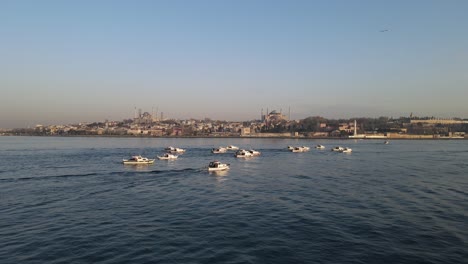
{"x": 138, "y": 167}
{"x": 219, "y": 173}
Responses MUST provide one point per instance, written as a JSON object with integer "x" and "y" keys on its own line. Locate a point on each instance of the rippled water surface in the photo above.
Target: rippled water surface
{"x": 70, "y": 200}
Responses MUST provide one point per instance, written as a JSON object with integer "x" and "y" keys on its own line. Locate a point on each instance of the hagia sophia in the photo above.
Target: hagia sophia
{"x": 273, "y": 117}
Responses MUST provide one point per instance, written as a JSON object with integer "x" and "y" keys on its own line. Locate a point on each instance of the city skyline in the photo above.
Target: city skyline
{"x": 153, "y": 116}
{"x": 66, "y": 62}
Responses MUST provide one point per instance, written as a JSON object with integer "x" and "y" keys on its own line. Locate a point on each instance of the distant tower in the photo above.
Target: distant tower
{"x": 134, "y": 114}
{"x": 355, "y": 127}
{"x": 261, "y": 115}
{"x": 289, "y": 113}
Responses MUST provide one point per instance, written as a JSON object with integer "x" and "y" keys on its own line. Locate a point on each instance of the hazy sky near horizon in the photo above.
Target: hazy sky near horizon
{"x": 71, "y": 61}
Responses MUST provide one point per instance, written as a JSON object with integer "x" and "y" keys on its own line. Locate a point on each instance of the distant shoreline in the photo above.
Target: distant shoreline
{"x": 411, "y": 137}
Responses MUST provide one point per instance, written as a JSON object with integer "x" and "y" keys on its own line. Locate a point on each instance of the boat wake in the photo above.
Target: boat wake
{"x": 114, "y": 173}
{"x": 47, "y": 177}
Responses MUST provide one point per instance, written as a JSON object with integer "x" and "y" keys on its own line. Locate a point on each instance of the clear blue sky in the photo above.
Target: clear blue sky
{"x": 71, "y": 61}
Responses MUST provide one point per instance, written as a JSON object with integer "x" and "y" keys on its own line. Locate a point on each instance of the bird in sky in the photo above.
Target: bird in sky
{"x": 384, "y": 30}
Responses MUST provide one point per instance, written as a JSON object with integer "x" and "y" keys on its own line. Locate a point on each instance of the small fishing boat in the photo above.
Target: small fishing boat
{"x": 168, "y": 156}
{"x": 300, "y": 149}
{"x": 174, "y": 150}
{"x": 320, "y": 147}
{"x": 217, "y": 166}
{"x": 254, "y": 152}
{"x": 231, "y": 147}
{"x": 296, "y": 149}
{"x": 338, "y": 149}
{"x": 304, "y": 148}
{"x": 346, "y": 150}
{"x": 136, "y": 160}
{"x": 219, "y": 150}
{"x": 243, "y": 154}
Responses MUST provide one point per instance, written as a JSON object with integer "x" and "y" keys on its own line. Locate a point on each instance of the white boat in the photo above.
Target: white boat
{"x": 338, "y": 149}
{"x": 346, "y": 150}
{"x": 320, "y": 147}
{"x": 167, "y": 156}
{"x": 217, "y": 166}
{"x": 231, "y": 147}
{"x": 174, "y": 150}
{"x": 243, "y": 154}
{"x": 299, "y": 149}
{"x": 296, "y": 149}
{"x": 290, "y": 147}
{"x": 135, "y": 160}
{"x": 386, "y": 142}
{"x": 254, "y": 152}
{"x": 219, "y": 150}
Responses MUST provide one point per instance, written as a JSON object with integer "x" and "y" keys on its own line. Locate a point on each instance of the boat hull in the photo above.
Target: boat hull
{"x": 218, "y": 169}
{"x": 167, "y": 158}
{"x": 138, "y": 162}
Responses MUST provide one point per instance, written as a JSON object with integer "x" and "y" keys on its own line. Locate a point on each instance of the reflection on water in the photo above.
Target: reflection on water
{"x": 219, "y": 173}
{"x": 139, "y": 167}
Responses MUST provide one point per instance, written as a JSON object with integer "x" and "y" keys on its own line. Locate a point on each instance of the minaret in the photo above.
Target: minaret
{"x": 355, "y": 127}
{"x": 156, "y": 117}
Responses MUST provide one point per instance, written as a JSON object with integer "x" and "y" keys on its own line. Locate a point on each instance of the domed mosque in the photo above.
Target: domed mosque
{"x": 274, "y": 117}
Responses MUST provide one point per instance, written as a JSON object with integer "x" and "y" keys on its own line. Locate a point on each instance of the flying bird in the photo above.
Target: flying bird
{"x": 383, "y": 30}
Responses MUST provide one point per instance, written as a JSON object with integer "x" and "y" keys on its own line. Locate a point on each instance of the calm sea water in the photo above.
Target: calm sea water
{"x": 70, "y": 200}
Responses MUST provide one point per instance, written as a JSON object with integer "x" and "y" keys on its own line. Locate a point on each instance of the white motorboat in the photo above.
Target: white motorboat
{"x": 219, "y": 150}
{"x": 290, "y": 148}
{"x": 136, "y": 160}
{"x": 174, "y": 150}
{"x": 386, "y": 142}
{"x": 296, "y": 149}
{"x": 320, "y": 147}
{"x": 300, "y": 149}
{"x": 243, "y": 154}
{"x": 254, "y": 152}
{"x": 338, "y": 149}
{"x": 217, "y": 166}
{"x": 231, "y": 147}
{"x": 168, "y": 156}
{"x": 346, "y": 150}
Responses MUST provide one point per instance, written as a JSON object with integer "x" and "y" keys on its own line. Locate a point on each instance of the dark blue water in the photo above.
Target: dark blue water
{"x": 70, "y": 200}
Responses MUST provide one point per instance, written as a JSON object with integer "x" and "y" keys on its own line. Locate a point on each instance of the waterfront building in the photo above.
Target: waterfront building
{"x": 435, "y": 121}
